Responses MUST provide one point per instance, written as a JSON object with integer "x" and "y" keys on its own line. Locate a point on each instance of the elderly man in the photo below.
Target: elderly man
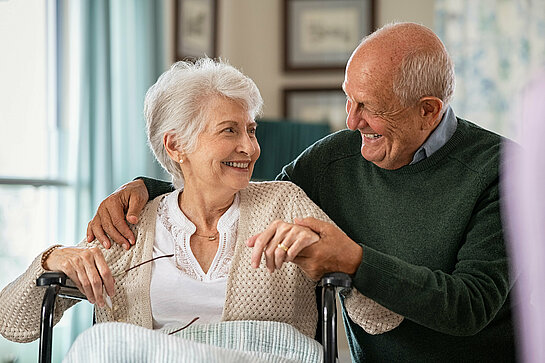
{"x": 419, "y": 215}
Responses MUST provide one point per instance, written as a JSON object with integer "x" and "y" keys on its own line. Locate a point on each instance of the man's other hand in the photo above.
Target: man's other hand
{"x": 334, "y": 252}
{"x": 110, "y": 217}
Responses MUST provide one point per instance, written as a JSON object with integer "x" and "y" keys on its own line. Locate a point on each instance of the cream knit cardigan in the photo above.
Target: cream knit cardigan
{"x": 287, "y": 295}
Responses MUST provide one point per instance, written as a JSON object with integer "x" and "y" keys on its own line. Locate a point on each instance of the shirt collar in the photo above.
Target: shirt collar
{"x": 225, "y": 222}
{"x": 439, "y": 137}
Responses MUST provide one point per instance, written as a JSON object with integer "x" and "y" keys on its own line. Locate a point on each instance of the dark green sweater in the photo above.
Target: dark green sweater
{"x": 433, "y": 248}
{"x": 432, "y": 238}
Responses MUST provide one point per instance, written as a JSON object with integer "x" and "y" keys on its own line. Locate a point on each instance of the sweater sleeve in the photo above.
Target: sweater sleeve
{"x": 461, "y": 302}
{"x": 21, "y": 300}
{"x": 156, "y": 187}
{"x": 20, "y": 305}
{"x": 371, "y": 316}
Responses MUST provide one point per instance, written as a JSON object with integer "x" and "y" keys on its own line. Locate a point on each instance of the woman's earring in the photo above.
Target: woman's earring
{"x": 181, "y": 160}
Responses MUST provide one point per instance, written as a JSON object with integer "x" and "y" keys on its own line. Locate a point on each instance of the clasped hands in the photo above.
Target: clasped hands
{"x": 317, "y": 247}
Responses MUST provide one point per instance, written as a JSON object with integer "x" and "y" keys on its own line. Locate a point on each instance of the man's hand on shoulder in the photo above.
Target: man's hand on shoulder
{"x": 109, "y": 219}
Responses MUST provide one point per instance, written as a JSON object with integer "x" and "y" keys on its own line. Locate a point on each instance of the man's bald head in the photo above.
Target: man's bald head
{"x": 410, "y": 60}
{"x": 398, "y": 83}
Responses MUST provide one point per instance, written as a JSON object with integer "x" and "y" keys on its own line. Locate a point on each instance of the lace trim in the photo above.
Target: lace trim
{"x": 181, "y": 235}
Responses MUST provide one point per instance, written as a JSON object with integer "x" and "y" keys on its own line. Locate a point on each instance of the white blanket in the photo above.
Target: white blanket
{"x": 234, "y": 341}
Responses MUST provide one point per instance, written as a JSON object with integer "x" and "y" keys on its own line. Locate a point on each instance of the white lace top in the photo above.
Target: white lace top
{"x": 180, "y": 290}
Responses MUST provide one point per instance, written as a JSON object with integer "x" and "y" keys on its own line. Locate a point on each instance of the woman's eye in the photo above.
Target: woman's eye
{"x": 229, "y": 129}
{"x": 252, "y": 131}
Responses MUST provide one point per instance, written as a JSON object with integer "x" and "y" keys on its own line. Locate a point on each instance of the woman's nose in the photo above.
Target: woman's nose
{"x": 246, "y": 145}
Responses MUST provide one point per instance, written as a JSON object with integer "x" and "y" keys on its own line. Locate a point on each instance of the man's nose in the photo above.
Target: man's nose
{"x": 354, "y": 119}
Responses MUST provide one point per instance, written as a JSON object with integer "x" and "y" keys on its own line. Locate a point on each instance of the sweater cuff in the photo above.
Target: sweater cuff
{"x": 156, "y": 187}
{"x": 374, "y": 275}
{"x": 36, "y": 269}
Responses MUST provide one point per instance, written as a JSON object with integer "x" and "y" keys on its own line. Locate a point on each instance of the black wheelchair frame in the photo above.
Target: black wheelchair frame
{"x": 57, "y": 284}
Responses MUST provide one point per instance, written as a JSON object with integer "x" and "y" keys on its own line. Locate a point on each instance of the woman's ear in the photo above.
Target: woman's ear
{"x": 430, "y": 111}
{"x": 170, "y": 141}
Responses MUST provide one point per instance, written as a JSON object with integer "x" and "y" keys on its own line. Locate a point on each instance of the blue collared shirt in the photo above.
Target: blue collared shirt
{"x": 439, "y": 137}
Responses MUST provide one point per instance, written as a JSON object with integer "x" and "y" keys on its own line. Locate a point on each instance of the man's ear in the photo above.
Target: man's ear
{"x": 430, "y": 111}
{"x": 170, "y": 141}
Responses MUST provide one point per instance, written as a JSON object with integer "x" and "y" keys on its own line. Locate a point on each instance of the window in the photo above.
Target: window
{"x": 36, "y": 197}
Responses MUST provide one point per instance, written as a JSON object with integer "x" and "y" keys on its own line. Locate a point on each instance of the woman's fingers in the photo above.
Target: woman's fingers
{"x": 105, "y": 273}
{"x": 261, "y": 242}
{"x": 291, "y": 242}
{"x": 280, "y": 242}
{"x": 87, "y": 268}
{"x": 93, "y": 275}
{"x": 304, "y": 238}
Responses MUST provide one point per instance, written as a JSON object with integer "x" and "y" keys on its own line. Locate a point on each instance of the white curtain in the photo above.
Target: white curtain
{"x": 497, "y": 45}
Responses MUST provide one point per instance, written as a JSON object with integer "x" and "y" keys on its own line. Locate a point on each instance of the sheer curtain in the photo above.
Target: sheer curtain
{"x": 114, "y": 51}
{"x": 497, "y": 45}
{"x": 122, "y": 54}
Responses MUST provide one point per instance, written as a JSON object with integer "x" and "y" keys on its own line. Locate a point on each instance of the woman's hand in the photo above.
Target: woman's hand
{"x": 85, "y": 266}
{"x": 280, "y": 242}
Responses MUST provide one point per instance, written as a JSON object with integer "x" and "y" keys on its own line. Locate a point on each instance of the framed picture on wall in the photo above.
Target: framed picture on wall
{"x": 195, "y": 27}
{"x": 321, "y": 34}
{"x": 316, "y": 105}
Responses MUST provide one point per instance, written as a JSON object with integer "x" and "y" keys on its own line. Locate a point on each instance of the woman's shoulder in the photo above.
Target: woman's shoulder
{"x": 274, "y": 191}
{"x": 273, "y": 188}
{"x": 280, "y": 199}
{"x": 149, "y": 213}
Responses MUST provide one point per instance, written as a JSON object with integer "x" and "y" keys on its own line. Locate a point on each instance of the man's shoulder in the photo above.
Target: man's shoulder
{"x": 480, "y": 149}
{"x": 475, "y": 131}
{"x": 342, "y": 142}
{"x": 337, "y": 146}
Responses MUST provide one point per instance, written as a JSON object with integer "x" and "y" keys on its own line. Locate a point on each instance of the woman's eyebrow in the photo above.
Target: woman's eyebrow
{"x": 227, "y": 122}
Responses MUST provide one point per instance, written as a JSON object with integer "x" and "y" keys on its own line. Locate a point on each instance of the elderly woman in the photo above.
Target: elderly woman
{"x": 201, "y": 128}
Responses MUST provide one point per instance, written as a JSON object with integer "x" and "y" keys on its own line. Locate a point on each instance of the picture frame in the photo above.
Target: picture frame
{"x": 321, "y": 34}
{"x": 195, "y": 28}
{"x": 316, "y": 105}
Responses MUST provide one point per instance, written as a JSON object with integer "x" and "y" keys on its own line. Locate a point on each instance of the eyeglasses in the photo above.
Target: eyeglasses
{"x": 141, "y": 263}
{"x": 109, "y": 300}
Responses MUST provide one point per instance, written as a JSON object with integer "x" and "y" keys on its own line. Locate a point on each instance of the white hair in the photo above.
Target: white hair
{"x": 178, "y": 103}
{"x": 425, "y": 72}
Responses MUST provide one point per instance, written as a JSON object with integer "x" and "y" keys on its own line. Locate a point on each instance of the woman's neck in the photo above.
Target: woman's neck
{"x": 204, "y": 209}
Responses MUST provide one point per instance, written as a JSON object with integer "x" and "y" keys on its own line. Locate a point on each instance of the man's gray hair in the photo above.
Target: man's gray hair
{"x": 423, "y": 73}
{"x": 178, "y": 103}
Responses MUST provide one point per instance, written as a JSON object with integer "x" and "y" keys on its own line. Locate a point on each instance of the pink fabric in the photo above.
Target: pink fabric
{"x": 524, "y": 202}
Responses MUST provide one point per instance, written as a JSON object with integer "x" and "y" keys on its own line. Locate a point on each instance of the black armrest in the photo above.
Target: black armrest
{"x": 330, "y": 282}
{"x": 66, "y": 287}
{"x": 56, "y": 284}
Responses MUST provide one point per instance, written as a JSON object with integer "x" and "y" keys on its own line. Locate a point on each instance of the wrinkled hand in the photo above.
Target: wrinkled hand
{"x": 334, "y": 252}
{"x": 110, "y": 216}
{"x": 291, "y": 236}
{"x": 88, "y": 269}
